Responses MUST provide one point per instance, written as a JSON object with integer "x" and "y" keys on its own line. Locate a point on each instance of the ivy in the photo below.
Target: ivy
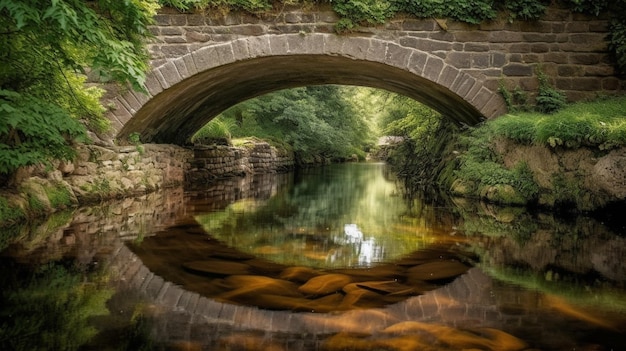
{"x": 48, "y": 47}
{"x": 549, "y": 100}
{"x": 362, "y": 12}
{"x": 28, "y": 137}
{"x": 525, "y": 9}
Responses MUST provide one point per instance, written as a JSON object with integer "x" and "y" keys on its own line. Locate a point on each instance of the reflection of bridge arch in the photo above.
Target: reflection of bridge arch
{"x": 462, "y": 300}
{"x": 186, "y": 92}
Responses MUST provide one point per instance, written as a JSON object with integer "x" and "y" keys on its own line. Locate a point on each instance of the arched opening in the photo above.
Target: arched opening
{"x": 173, "y": 115}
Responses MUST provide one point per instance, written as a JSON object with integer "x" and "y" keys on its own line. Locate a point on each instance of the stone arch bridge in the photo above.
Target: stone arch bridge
{"x": 203, "y": 64}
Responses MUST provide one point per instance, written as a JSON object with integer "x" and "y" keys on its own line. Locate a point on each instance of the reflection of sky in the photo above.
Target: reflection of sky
{"x": 367, "y": 250}
{"x": 342, "y": 215}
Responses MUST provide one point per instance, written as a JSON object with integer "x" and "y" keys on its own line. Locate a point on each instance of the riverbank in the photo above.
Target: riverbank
{"x": 573, "y": 160}
{"x": 103, "y": 173}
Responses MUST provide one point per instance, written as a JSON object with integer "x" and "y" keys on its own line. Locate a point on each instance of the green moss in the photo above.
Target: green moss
{"x": 59, "y": 196}
{"x": 35, "y": 205}
{"x": 600, "y": 124}
{"x": 10, "y": 213}
{"x": 481, "y": 172}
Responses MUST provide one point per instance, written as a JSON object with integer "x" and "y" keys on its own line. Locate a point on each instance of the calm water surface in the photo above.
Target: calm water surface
{"x": 332, "y": 258}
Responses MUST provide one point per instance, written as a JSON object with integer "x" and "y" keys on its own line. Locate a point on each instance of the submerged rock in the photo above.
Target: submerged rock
{"x": 247, "y": 287}
{"x": 437, "y": 270}
{"x": 298, "y": 274}
{"x": 325, "y": 284}
{"x": 217, "y": 267}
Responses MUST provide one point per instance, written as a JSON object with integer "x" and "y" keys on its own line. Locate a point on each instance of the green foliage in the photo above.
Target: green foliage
{"x": 50, "y": 309}
{"x": 525, "y": 9}
{"x": 59, "y": 196}
{"x": 549, "y": 100}
{"x": 481, "y": 167}
{"x": 247, "y": 5}
{"x": 600, "y": 124}
{"x": 589, "y": 6}
{"x": 470, "y": 11}
{"x": 313, "y": 121}
{"x": 354, "y": 13}
{"x": 47, "y": 45}
{"x": 362, "y": 12}
{"x": 420, "y": 159}
{"x": 516, "y": 100}
{"x": 8, "y": 213}
{"x": 617, "y": 42}
{"x": 135, "y": 139}
{"x": 218, "y": 128}
{"x": 26, "y": 134}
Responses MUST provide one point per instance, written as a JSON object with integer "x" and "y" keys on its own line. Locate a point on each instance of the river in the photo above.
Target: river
{"x": 329, "y": 258}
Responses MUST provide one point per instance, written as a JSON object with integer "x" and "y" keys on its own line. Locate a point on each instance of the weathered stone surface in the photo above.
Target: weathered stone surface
{"x": 217, "y": 267}
{"x": 298, "y": 274}
{"x": 245, "y": 288}
{"x": 386, "y": 287}
{"x": 610, "y": 173}
{"x": 325, "y": 284}
{"x": 437, "y": 270}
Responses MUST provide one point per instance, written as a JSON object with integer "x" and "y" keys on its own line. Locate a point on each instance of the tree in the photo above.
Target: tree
{"x": 314, "y": 120}
{"x": 47, "y": 49}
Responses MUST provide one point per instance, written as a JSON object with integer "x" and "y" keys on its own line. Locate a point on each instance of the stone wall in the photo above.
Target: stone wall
{"x": 584, "y": 179}
{"x": 571, "y": 48}
{"x": 96, "y": 174}
{"x": 100, "y": 173}
{"x": 212, "y": 162}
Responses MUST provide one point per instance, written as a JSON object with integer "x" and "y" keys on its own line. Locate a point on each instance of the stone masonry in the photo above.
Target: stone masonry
{"x": 212, "y": 162}
{"x": 205, "y": 63}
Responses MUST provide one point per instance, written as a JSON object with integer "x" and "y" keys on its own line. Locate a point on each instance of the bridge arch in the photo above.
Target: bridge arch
{"x": 186, "y": 92}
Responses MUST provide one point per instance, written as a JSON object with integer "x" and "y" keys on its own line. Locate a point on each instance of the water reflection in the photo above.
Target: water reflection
{"x": 542, "y": 282}
{"x": 338, "y": 216}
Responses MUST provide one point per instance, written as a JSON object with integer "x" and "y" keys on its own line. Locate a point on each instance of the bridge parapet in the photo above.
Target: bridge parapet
{"x": 571, "y": 48}
{"x": 205, "y": 63}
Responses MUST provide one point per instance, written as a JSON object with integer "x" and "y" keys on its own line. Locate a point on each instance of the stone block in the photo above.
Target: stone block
{"x": 586, "y": 59}
{"x": 459, "y": 59}
{"x": 195, "y": 36}
{"x": 171, "y": 31}
{"x": 519, "y": 48}
{"x": 577, "y": 27}
{"x": 152, "y": 83}
{"x": 205, "y": 58}
{"x": 333, "y": 44}
{"x": 433, "y": 68}
{"x": 259, "y": 46}
{"x": 517, "y": 70}
{"x": 481, "y": 60}
{"x": 448, "y": 75}
{"x": 477, "y": 47}
{"x": 225, "y": 53}
{"x": 357, "y": 48}
{"x": 279, "y": 45}
{"x": 173, "y": 40}
{"x": 376, "y": 51}
{"x": 168, "y": 75}
{"x": 504, "y": 37}
{"x": 611, "y": 83}
{"x": 419, "y": 25}
{"x": 539, "y": 47}
{"x": 174, "y": 50}
{"x": 397, "y": 56}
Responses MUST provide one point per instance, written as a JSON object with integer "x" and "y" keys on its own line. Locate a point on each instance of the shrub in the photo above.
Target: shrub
{"x": 9, "y": 213}
{"x": 218, "y": 128}
{"x": 600, "y": 124}
{"x": 549, "y": 100}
